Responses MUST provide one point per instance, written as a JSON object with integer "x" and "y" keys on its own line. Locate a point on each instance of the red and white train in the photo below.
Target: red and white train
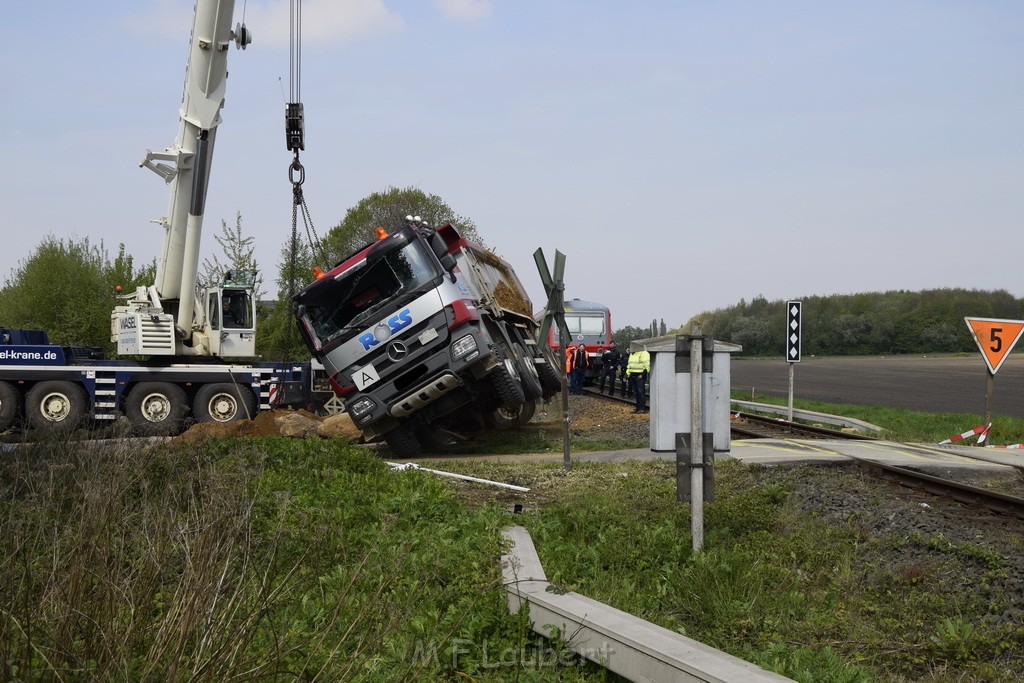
{"x": 590, "y": 324}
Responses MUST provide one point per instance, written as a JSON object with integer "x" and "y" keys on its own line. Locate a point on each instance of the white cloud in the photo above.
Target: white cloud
{"x": 324, "y": 22}
{"x": 465, "y": 10}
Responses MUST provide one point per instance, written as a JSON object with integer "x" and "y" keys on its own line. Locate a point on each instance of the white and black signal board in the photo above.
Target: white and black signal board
{"x": 793, "y": 331}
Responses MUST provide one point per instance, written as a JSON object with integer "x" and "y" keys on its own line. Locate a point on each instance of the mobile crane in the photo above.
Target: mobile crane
{"x": 185, "y": 331}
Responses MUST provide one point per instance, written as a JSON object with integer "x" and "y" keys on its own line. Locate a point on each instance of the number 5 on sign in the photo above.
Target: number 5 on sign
{"x": 995, "y": 338}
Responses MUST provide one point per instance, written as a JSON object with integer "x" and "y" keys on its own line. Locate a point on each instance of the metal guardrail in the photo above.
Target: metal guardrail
{"x": 808, "y": 415}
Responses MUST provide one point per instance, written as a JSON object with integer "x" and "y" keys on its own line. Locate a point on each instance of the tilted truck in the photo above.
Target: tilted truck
{"x": 185, "y": 330}
{"x": 421, "y": 328}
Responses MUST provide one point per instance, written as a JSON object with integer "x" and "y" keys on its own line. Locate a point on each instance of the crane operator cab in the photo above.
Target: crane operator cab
{"x": 231, "y": 312}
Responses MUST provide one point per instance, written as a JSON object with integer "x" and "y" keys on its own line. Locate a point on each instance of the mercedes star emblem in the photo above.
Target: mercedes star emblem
{"x": 397, "y": 351}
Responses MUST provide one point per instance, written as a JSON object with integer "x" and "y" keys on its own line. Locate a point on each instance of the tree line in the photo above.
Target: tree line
{"x": 870, "y": 323}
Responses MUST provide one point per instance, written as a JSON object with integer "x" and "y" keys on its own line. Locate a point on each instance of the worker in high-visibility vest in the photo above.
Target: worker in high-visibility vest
{"x": 637, "y": 369}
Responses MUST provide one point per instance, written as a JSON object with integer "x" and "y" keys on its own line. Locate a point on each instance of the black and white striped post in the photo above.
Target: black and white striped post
{"x": 793, "y": 342}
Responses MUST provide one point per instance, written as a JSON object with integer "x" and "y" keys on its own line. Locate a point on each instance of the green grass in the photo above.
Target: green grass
{"x": 806, "y": 597}
{"x": 286, "y": 559}
{"x": 256, "y": 558}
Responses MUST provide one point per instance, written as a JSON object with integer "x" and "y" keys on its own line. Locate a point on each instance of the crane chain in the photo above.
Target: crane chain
{"x": 297, "y": 176}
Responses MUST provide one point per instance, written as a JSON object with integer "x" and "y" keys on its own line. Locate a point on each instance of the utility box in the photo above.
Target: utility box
{"x": 670, "y": 390}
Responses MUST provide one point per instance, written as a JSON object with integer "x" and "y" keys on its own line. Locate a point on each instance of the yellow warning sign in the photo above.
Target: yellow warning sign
{"x": 995, "y": 338}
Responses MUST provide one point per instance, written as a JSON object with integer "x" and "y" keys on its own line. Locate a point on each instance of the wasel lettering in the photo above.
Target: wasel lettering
{"x": 127, "y": 323}
{"x": 395, "y": 323}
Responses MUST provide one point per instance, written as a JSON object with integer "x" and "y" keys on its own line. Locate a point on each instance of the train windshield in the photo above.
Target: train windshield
{"x": 586, "y": 324}
{"x": 342, "y": 307}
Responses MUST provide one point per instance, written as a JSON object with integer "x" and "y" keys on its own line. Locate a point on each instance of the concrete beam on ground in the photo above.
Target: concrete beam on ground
{"x": 622, "y": 643}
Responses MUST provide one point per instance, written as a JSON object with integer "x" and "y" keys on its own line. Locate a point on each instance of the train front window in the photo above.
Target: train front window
{"x": 340, "y": 308}
{"x": 591, "y": 325}
{"x": 588, "y": 325}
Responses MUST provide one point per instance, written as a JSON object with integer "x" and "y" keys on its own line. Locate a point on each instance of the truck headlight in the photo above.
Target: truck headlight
{"x": 463, "y": 346}
{"x": 361, "y": 407}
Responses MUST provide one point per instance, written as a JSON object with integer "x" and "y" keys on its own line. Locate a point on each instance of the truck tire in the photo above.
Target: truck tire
{"x": 55, "y": 406}
{"x": 10, "y": 405}
{"x": 223, "y": 403}
{"x": 508, "y": 419}
{"x": 549, "y": 379}
{"x": 532, "y": 389}
{"x": 403, "y": 442}
{"x": 505, "y": 381}
{"x": 156, "y": 408}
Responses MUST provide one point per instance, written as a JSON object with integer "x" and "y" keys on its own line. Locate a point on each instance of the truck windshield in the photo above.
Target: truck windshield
{"x": 339, "y": 308}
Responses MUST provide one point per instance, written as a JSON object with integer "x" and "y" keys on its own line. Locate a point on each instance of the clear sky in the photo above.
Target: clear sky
{"x": 683, "y": 154}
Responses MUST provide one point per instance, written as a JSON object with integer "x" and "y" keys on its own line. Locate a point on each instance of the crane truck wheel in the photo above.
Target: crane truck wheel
{"x": 156, "y": 408}
{"x": 55, "y": 406}
{"x": 223, "y": 403}
{"x": 10, "y": 405}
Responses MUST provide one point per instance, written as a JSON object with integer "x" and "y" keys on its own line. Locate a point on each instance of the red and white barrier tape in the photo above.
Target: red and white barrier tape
{"x": 983, "y": 430}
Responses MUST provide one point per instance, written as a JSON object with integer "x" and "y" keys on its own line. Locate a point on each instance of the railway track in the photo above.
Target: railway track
{"x": 947, "y": 488}
{"x": 747, "y": 426}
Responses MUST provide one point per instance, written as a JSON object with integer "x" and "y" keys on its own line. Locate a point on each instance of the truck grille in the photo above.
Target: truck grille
{"x": 425, "y": 394}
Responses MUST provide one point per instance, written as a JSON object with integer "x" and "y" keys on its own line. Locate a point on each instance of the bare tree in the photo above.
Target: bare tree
{"x": 239, "y": 254}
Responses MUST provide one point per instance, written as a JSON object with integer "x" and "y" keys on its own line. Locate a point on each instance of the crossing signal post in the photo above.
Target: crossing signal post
{"x": 554, "y": 314}
{"x": 793, "y": 343}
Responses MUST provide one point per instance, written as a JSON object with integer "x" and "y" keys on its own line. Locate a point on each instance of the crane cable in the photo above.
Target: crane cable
{"x": 295, "y": 133}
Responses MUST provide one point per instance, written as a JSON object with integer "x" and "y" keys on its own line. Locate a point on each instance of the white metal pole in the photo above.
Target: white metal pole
{"x": 697, "y": 443}
{"x": 791, "y": 391}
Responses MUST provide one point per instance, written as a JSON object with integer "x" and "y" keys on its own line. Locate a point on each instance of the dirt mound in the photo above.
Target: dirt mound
{"x": 267, "y": 423}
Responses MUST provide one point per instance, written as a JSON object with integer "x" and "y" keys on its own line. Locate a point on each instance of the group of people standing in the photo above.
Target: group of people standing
{"x": 632, "y": 369}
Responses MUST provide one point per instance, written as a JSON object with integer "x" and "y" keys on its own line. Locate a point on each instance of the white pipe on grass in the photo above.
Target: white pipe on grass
{"x": 414, "y": 466}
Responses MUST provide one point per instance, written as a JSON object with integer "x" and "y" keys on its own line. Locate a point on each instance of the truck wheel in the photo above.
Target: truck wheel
{"x": 532, "y": 389}
{"x": 549, "y": 379}
{"x": 55, "y": 406}
{"x": 156, "y": 408}
{"x": 506, "y": 385}
{"x": 223, "y": 403}
{"x": 403, "y": 442}
{"x": 10, "y": 405}
{"x": 507, "y": 419}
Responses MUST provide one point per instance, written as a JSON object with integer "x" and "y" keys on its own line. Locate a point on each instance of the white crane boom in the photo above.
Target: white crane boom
{"x": 172, "y": 317}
